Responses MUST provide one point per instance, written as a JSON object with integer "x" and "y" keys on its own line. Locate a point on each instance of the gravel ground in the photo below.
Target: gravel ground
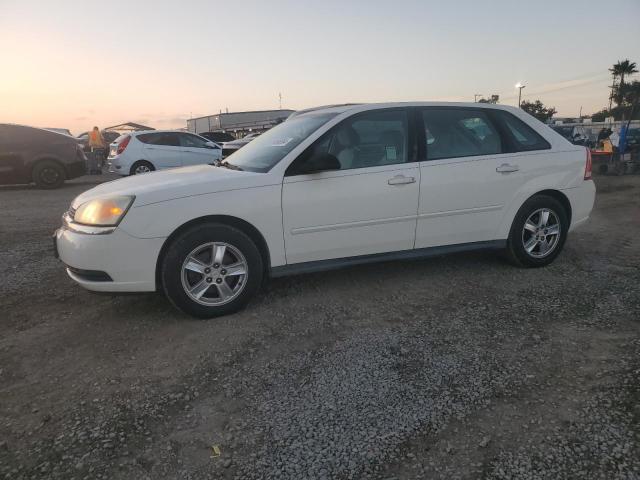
{"x": 454, "y": 367}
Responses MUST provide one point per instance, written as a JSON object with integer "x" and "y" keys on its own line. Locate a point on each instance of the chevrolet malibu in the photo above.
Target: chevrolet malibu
{"x": 331, "y": 187}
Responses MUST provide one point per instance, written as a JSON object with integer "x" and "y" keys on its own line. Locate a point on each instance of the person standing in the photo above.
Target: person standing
{"x": 97, "y": 146}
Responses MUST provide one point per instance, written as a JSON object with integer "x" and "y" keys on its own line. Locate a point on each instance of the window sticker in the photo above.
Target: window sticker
{"x": 391, "y": 152}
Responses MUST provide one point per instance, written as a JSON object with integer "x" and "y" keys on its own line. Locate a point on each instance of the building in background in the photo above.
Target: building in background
{"x": 238, "y": 123}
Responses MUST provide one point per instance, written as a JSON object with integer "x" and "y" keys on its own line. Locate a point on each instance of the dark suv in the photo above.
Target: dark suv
{"x": 35, "y": 155}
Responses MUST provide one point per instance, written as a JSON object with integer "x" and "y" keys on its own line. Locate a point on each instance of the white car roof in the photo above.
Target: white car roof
{"x": 373, "y": 106}
{"x": 139, "y": 132}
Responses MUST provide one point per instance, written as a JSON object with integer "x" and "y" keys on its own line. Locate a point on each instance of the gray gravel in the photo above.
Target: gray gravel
{"x": 456, "y": 367}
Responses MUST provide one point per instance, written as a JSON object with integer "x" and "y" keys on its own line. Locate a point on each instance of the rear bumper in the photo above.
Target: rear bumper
{"x": 582, "y": 199}
{"x": 75, "y": 169}
{"x": 118, "y": 166}
{"x": 115, "y": 262}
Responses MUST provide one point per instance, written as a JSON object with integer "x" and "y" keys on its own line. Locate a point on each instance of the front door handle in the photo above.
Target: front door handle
{"x": 507, "y": 168}
{"x": 401, "y": 180}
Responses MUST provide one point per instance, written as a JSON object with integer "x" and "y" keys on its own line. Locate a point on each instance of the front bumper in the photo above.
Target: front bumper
{"x": 129, "y": 263}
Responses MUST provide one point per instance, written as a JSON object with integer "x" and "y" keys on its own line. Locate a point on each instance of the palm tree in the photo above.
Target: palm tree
{"x": 620, "y": 69}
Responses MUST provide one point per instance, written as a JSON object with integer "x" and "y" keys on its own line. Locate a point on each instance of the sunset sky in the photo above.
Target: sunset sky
{"x": 73, "y": 64}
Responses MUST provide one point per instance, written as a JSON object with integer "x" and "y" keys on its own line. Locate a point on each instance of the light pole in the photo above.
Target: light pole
{"x": 475, "y": 97}
{"x": 519, "y": 86}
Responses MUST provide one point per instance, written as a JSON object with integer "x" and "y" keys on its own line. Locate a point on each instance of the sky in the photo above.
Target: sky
{"x": 75, "y": 64}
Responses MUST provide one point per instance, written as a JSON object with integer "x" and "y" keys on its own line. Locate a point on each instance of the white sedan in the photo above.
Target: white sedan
{"x": 332, "y": 187}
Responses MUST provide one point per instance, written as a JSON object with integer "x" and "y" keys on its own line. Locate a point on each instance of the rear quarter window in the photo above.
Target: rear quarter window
{"x": 519, "y": 136}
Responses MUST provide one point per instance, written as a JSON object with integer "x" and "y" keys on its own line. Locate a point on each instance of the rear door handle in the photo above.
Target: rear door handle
{"x": 401, "y": 180}
{"x": 507, "y": 168}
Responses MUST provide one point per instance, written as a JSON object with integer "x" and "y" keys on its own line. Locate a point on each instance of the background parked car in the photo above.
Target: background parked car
{"x": 218, "y": 137}
{"x": 576, "y": 134}
{"x": 36, "y": 155}
{"x": 64, "y": 131}
{"x": 633, "y": 140}
{"x": 109, "y": 137}
{"x": 229, "y": 147}
{"x": 146, "y": 151}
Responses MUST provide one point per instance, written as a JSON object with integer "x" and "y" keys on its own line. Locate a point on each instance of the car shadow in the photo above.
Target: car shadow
{"x": 409, "y": 270}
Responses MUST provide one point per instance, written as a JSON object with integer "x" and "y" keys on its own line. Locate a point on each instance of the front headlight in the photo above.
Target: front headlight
{"x": 103, "y": 212}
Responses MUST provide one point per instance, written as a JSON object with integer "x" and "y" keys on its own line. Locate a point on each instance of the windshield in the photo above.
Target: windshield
{"x": 261, "y": 154}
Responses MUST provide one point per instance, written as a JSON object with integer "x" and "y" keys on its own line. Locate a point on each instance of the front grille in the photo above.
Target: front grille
{"x": 228, "y": 151}
{"x": 72, "y": 213}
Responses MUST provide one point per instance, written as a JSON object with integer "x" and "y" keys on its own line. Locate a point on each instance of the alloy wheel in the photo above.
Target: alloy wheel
{"x": 541, "y": 233}
{"x": 214, "y": 273}
{"x": 141, "y": 169}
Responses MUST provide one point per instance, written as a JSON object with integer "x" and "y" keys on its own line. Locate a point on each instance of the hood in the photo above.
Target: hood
{"x": 240, "y": 141}
{"x": 175, "y": 183}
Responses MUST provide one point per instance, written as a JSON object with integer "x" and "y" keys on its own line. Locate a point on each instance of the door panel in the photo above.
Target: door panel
{"x": 196, "y": 152}
{"x": 12, "y": 154}
{"x": 163, "y": 150}
{"x": 12, "y": 169}
{"x": 478, "y": 164}
{"x": 367, "y": 204}
{"x": 463, "y": 201}
{"x": 355, "y": 212}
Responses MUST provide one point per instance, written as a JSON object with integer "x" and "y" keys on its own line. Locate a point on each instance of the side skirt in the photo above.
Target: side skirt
{"x": 335, "y": 263}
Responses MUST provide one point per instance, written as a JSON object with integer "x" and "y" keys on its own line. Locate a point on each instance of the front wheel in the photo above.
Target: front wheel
{"x": 211, "y": 270}
{"x": 538, "y": 233}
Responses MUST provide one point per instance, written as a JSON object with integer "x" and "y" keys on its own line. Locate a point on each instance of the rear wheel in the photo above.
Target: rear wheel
{"x": 140, "y": 167}
{"x": 211, "y": 270}
{"x": 538, "y": 232}
{"x": 48, "y": 174}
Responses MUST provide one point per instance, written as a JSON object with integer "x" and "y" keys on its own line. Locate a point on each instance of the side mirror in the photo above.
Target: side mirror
{"x": 319, "y": 163}
{"x": 211, "y": 145}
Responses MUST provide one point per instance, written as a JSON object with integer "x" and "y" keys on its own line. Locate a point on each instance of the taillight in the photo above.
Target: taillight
{"x": 80, "y": 152}
{"x": 587, "y": 167}
{"x": 123, "y": 144}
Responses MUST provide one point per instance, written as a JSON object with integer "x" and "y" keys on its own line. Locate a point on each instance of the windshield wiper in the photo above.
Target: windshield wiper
{"x": 230, "y": 166}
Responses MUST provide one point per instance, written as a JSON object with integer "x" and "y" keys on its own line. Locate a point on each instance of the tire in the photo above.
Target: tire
{"x": 222, "y": 291}
{"x": 48, "y": 174}
{"x": 140, "y": 167}
{"x": 527, "y": 247}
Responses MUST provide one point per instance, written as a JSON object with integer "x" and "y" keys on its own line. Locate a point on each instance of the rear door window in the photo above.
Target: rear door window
{"x": 459, "y": 132}
{"x": 192, "y": 141}
{"x": 168, "y": 139}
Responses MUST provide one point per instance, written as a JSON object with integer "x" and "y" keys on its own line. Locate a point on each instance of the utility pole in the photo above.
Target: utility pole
{"x": 520, "y": 86}
{"x": 580, "y": 116}
{"x": 280, "y": 99}
{"x": 475, "y": 97}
